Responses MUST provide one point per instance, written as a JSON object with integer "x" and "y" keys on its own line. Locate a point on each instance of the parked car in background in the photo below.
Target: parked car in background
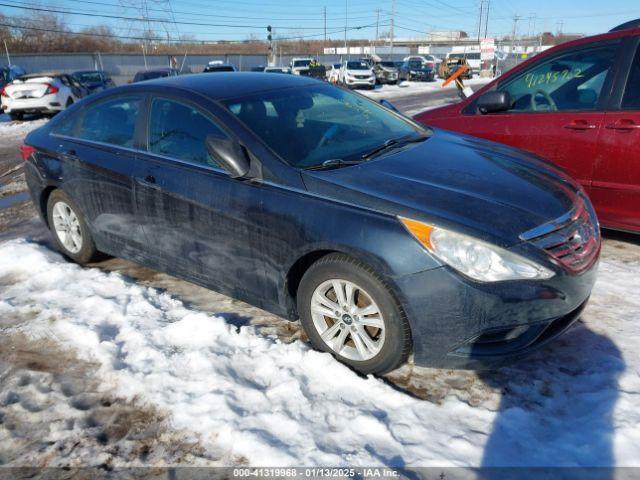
{"x": 576, "y": 105}
{"x": 384, "y": 237}
{"x": 94, "y": 80}
{"x": 155, "y": 73}
{"x": 427, "y": 60}
{"x": 385, "y": 72}
{"x": 9, "y": 74}
{"x": 357, "y": 73}
{"x": 43, "y": 93}
{"x": 451, "y": 65}
{"x": 416, "y": 70}
{"x": 277, "y": 70}
{"x": 333, "y": 73}
{"x": 219, "y": 67}
{"x": 300, "y": 66}
{"x": 472, "y": 59}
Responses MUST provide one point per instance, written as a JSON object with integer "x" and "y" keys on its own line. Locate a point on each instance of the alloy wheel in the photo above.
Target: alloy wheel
{"x": 67, "y": 227}
{"x": 347, "y": 319}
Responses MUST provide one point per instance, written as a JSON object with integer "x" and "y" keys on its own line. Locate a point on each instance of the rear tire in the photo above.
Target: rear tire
{"x": 368, "y": 331}
{"x": 70, "y": 231}
{"x": 69, "y": 102}
{"x": 16, "y": 117}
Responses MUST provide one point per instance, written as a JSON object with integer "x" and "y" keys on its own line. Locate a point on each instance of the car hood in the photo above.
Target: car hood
{"x": 359, "y": 72}
{"x": 470, "y": 185}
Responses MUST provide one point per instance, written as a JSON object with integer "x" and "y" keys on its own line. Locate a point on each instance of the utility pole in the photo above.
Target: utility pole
{"x": 393, "y": 15}
{"x": 486, "y": 21}
{"x": 516, "y": 18}
{"x": 324, "y": 11}
{"x": 377, "y": 25}
{"x": 480, "y": 19}
{"x": 346, "y": 9}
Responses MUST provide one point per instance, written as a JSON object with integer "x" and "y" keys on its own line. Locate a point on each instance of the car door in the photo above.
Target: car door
{"x": 557, "y": 108}
{"x": 97, "y": 153}
{"x": 615, "y": 188}
{"x": 199, "y": 222}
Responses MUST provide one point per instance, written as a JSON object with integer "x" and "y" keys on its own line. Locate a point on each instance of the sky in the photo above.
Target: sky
{"x": 242, "y": 19}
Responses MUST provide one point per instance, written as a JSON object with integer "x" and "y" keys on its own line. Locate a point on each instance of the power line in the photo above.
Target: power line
{"x": 161, "y": 39}
{"x": 146, "y": 19}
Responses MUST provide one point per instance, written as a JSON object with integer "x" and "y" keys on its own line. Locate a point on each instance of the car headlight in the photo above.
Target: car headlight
{"x": 474, "y": 258}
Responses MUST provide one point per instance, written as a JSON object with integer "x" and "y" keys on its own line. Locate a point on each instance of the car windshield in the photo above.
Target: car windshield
{"x": 357, "y": 66}
{"x": 301, "y": 63}
{"x": 415, "y": 64}
{"x": 89, "y": 77}
{"x": 308, "y": 126}
{"x": 388, "y": 64}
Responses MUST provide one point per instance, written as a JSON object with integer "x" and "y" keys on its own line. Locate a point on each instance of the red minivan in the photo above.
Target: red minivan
{"x": 577, "y": 105}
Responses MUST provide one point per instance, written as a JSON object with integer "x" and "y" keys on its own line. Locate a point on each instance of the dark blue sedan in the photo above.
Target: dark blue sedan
{"x": 94, "y": 80}
{"x": 383, "y": 237}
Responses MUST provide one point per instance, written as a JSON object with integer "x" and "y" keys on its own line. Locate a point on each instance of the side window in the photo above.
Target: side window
{"x": 571, "y": 81}
{"x": 65, "y": 80}
{"x": 631, "y": 98}
{"x": 111, "y": 121}
{"x": 180, "y": 131}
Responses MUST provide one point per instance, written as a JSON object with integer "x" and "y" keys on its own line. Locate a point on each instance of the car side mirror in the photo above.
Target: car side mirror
{"x": 389, "y": 105}
{"x": 230, "y": 155}
{"x": 493, "y": 102}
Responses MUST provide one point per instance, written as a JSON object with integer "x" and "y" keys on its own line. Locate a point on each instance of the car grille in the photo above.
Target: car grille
{"x": 361, "y": 77}
{"x": 572, "y": 240}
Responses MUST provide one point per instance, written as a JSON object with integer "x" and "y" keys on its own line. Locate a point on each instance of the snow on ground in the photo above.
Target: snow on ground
{"x": 415, "y": 88}
{"x": 15, "y": 128}
{"x": 254, "y": 399}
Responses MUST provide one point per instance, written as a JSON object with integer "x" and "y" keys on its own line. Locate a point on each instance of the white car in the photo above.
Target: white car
{"x": 357, "y": 74}
{"x": 333, "y": 73}
{"x": 40, "y": 93}
{"x": 300, "y": 66}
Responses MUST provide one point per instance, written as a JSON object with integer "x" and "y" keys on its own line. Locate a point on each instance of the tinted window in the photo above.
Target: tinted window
{"x": 111, "y": 121}
{"x": 631, "y": 99}
{"x": 572, "y": 81}
{"x": 180, "y": 131}
{"x": 309, "y": 125}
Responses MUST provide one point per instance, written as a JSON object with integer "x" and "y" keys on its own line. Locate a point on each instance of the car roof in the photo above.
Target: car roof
{"x": 229, "y": 84}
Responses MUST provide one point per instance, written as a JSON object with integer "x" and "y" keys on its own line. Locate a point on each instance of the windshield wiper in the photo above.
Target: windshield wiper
{"x": 333, "y": 163}
{"x": 394, "y": 142}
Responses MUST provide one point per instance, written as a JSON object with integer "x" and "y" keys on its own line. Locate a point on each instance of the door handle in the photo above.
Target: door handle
{"x": 624, "y": 125}
{"x": 148, "y": 181}
{"x": 580, "y": 125}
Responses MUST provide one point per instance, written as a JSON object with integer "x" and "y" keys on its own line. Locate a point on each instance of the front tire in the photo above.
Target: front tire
{"x": 17, "y": 116}
{"x": 70, "y": 232}
{"x": 348, "y": 310}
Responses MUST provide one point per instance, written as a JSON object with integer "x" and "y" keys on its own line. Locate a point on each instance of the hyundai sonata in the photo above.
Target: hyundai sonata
{"x": 385, "y": 238}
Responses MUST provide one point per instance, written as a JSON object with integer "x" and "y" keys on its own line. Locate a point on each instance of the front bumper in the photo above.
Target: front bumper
{"x": 421, "y": 76}
{"x": 360, "y": 82}
{"x": 459, "y": 323}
